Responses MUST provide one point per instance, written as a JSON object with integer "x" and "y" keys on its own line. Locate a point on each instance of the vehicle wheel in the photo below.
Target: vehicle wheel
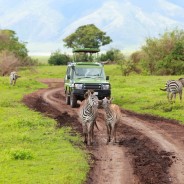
{"x": 67, "y": 98}
{"x": 73, "y": 101}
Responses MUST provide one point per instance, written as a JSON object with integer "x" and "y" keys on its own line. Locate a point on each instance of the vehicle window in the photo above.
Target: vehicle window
{"x": 72, "y": 73}
{"x": 89, "y": 72}
{"x": 68, "y": 71}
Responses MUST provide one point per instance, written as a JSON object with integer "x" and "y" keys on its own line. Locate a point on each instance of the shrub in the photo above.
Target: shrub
{"x": 164, "y": 55}
{"x": 8, "y": 62}
{"x": 21, "y": 154}
{"x": 57, "y": 58}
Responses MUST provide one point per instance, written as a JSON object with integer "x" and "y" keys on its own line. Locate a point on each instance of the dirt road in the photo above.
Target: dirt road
{"x": 149, "y": 150}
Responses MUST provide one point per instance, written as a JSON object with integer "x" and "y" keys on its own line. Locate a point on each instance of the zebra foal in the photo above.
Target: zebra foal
{"x": 87, "y": 115}
{"x": 112, "y": 117}
{"x": 173, "y": 87}
{"x": 13, "y": 77}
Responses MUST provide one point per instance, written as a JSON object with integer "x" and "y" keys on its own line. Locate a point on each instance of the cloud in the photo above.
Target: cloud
{"x": 106, "y": 17}
{"x": 34, "y": 20}
{"x": 171, "y": 8}
{"x": 126, "y": 23}
{"x": 44, "y": 24}
{"x": 38, "y": 48}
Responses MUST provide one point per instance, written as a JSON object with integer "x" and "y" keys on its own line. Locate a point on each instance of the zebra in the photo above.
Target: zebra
{"x": 173, "y": 87}
{"x": 112, "y": 117}
{"x": 13, "y": 77}
{"x": 87, "y": 115}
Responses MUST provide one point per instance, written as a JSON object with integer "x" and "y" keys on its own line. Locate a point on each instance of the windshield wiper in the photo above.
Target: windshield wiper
{"x": 97, "y": 77}
{"x": 83, "y": 77}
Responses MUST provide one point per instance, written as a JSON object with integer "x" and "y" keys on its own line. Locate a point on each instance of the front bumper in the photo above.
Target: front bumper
{"x": 79, "y": 93}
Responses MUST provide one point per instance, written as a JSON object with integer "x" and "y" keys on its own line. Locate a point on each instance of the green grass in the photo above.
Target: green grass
{"x": 138, "y": 93}
{"x": 32, "y": 150}
{"x": 142, "y": 94}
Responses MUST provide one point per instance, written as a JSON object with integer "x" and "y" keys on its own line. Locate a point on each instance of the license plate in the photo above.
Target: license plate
{"x": 96, "y": 93}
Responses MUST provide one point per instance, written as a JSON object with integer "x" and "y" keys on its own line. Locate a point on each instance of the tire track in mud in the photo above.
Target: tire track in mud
{"x": 146, "y": 152}
{"x": 111, "y": 165}
{"x": 171, "y": 147}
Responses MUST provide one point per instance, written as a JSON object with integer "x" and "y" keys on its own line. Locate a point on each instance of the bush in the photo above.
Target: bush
{"x": 8, "y": 62}
{"x": 57, "y": 58}
{"x": 164, "y": 55}
{"x": 110, "y": 55}
{"x": 21, "y": 154}
{"x": 13, "y": 53}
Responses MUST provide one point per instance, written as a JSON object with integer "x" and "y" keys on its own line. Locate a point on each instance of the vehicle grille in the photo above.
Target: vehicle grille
{"x": 92, "y": 86}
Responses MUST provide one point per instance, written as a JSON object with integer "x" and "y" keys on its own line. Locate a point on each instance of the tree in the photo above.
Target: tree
{"x": 165, "y": 55}
{"x": 10, "y": 42}
{"x": 8, "y": 62}
{"x": 127, "y": 65}
{"x": 87, "y": 36}
{"x": 57, "y": 58}
{"x": 173, "y": 62}
{"x": 109, "y": 55}
{"x": 13, "y": 53}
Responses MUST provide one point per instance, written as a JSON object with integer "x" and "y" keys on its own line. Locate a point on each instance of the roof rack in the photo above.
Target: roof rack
{"x": 89, "y": 50}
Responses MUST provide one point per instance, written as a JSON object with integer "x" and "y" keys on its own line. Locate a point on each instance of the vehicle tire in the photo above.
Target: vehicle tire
{"x": 73, "y": 100}
{"x": 67, "y": 98}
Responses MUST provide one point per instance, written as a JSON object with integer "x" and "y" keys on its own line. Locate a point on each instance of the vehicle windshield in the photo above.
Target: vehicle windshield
{"x": 89, "y": 72}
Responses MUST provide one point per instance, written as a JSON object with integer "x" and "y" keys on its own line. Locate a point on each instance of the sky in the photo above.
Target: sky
{"x": 44, "y": 24}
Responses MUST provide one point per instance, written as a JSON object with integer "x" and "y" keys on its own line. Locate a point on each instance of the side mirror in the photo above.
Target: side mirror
{"x": 107, "y": 77}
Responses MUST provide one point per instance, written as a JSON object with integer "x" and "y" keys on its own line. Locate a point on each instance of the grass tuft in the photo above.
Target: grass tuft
{"x": 21, "y": 154}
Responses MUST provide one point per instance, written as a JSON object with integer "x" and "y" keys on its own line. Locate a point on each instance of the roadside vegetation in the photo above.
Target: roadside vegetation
{"x": 13, "y": 53}
{"x": 142, "y": 94}
{"x": 32, "y": 149}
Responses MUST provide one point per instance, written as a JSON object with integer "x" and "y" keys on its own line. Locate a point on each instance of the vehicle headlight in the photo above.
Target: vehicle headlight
{"x": 78, "y": 86}
{"x": 106, "y": 86}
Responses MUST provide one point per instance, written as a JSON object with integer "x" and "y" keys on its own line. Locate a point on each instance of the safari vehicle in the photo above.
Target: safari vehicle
{"x": 81, "y": 76}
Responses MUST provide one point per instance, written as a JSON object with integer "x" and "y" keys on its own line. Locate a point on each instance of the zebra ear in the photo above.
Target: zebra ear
{"x": 92, "y": 91}
{"x": 86, "y": 95}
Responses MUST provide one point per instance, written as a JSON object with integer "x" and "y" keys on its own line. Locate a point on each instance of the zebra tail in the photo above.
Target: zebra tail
{"x": 163, "y": 89}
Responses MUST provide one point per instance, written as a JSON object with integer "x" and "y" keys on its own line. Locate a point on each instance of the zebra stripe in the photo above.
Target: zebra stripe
{"x": 173, "y": 87}
{"x": 112, "y": 116}
{"x": 87, "y": 116}
{"x": 13, "y": 78}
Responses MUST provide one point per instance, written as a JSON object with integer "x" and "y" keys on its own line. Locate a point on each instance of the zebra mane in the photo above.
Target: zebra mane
{"x": 180, "y": 78}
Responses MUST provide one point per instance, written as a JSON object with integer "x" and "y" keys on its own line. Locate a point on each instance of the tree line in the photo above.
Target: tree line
{"x": 158, "y": 56}
{"x": 163, "y": 55}
{"x": 13, "y": 52}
